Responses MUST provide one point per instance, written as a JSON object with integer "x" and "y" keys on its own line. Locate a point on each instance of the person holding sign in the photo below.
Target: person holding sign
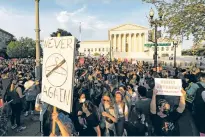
{"x": 165, "y": 122}
{"x": 63, "y": 129}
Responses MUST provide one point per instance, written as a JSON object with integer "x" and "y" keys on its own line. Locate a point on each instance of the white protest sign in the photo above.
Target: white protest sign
{"x": 58, "y": 67}
{"x": 170, "y": 87}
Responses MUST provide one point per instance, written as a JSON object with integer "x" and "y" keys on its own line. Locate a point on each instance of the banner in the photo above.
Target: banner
{"x": 170, "y": 87}
{"x": 58, "y": 67}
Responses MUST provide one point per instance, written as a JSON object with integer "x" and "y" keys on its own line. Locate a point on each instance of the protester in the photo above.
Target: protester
{"x": 199, "y": 105}
{"x": 63, "y": 129}
{"x": 31, "y": 93}
{"x": 164, "y": 121}
{"x": 122, "y": 110}
{"x": 41, "y": 106}
{"x": 108, "y": 115}
{"x": 91, "y": 120}
{"x": 14, "y": 95}
{"x": 112, "y": 98}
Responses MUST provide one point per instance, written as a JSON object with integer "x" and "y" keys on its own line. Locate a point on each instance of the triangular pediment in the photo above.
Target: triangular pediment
{"x": 128, "y": 27}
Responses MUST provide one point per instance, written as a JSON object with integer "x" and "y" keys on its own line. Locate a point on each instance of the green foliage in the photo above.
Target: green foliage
{"x": 194, "y": 52}
{"x": 183, "y": 17}
{"x": 22, "y": 48}
{"x": 62, "y": 32}
{"x": 10, "y": 40}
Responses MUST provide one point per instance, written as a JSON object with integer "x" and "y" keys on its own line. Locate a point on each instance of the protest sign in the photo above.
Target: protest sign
{"x": 170, "y": 87}
{"x": 82, "y": 60}
{"x": 58, "y": 67}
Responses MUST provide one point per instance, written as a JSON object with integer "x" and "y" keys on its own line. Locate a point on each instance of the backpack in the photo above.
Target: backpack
{"x": 198, "y": 101}
{"x": 198, "y": 109}
{"x": 189, "y": 98}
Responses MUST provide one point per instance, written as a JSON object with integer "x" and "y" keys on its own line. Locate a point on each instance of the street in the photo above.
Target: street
{"x": 33, "y": 127}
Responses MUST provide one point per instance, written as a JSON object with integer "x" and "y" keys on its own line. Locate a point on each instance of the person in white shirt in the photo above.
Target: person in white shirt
{"x": 40, "y": 106}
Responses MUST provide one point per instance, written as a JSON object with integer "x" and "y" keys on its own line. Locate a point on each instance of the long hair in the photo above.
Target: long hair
{"x": 109, "y": 94}
{"x": 90, "y": 106}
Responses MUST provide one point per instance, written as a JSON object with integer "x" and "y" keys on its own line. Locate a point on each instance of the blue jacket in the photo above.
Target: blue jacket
{"x": 192, "y": 90}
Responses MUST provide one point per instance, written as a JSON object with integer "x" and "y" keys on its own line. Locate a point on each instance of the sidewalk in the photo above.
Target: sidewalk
{"x": 32, "y": 127}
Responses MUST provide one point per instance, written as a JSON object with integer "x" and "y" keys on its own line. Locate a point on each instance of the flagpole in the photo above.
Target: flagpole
{"x": 80, "y": 31}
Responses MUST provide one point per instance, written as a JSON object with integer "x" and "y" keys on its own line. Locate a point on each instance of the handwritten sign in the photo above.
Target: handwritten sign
{"x": 58, "y": 67}
{"x": 170, "y": 87}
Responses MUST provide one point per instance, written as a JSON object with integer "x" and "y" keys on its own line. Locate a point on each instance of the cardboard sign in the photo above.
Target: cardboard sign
{"x": 58, "y": 67}
{"x": 170, "y": 87}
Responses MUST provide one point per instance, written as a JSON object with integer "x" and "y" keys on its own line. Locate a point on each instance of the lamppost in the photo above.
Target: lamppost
{"x": 111, "y": 49}
{"x": 175, "y": 43}
{"x": 156, "y": 23}
{"x": 38, "y": 63}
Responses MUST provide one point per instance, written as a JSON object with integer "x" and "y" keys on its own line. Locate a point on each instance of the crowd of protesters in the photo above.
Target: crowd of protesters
{"x": 112, "y": 98}
{"x": 18, "y": 92}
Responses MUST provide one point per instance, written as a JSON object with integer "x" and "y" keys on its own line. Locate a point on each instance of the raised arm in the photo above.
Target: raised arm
{"x": 105, "y": 114}
{"x": 62, "y": 127}
{"x": 153, "y": 108}
{"x": 182, "y": 103}
{"x": 98, "y": 131}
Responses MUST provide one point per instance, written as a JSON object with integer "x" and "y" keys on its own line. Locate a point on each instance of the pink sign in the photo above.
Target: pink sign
{"x": 82, "y": 60}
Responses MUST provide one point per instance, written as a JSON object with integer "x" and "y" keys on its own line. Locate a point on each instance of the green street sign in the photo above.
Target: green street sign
{"x": 159, "y": 44}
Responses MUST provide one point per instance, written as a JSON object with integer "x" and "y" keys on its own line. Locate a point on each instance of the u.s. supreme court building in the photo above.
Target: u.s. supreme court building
{"x": 129, "y": 41}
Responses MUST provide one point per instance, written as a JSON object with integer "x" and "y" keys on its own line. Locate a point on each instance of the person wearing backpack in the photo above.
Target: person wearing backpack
{"x": 194, "y": 87}
{"x": 199, "y": 105}
{"x": 143, "y": 106}
{"x": 14, "y": 95}
{"x": 31, "y": 93}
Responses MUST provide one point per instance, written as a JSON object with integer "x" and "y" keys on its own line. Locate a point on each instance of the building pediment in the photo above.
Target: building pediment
{"x": 128, "y": 27}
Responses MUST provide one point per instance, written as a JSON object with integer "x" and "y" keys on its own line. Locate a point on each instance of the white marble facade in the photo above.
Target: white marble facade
{"x": 128, "y": 38}
{"x": 126, "y": 41}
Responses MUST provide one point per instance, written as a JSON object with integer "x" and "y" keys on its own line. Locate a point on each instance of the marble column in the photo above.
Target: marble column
{"x": 111, "y": 41}
{"x": 133, "y": 42}
{"x": 119, "y": 43}
{"x": 140, "y": 42}
{"x": 114, "y": 43}
{"x": 130, "y": 43}
{"x": 137, "y": 42}
{"x": 123, "y": 42}
{"x": 143, "y": 35}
